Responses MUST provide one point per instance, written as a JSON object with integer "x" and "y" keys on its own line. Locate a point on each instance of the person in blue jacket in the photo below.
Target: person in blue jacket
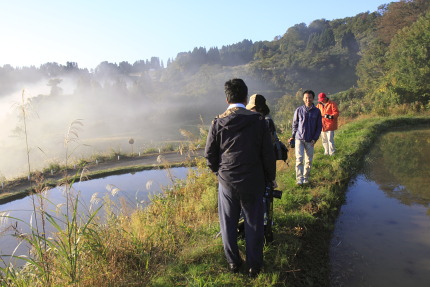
{"x": 307, "y": 126}
{"x": 240, "y": 151}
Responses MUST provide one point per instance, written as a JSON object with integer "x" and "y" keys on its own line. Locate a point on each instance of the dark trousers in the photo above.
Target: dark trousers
{"x": 229, "y": 206}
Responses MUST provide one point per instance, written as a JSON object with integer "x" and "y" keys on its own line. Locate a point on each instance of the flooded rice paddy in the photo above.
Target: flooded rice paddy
{"x": 124, "y": 192}
{"x": 382, "y": 235}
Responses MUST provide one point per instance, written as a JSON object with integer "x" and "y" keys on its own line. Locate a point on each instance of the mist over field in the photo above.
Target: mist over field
{"x": 110, "y": 114}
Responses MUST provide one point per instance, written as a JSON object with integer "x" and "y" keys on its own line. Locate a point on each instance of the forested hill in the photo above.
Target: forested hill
{"x": 382, "y": 54}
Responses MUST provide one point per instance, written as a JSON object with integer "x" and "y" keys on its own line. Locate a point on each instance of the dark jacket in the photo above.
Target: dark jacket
{"x": 307, "y": 123}
{"x": 272, "y": 129}
{"x": 240, "y": 151}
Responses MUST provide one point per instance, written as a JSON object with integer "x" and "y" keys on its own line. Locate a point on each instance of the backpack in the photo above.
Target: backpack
{"x": 281, "y": 150}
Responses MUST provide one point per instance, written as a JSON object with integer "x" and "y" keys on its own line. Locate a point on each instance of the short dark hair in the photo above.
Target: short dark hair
{"x": 309, "y": 92}
{"x": 236, "y": 91}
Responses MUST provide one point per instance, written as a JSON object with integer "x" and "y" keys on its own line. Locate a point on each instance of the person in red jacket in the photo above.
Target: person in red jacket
{"x": 330, "y": 114}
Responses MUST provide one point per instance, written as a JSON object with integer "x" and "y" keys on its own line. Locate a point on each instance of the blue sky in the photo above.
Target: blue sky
{"x": 91, "y": 31}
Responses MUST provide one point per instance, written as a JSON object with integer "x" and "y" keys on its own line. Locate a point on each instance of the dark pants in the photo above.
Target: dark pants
{"x": 229, "y": 206}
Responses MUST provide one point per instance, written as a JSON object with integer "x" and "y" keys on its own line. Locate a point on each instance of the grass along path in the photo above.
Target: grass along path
{"x": 173, "y": 241}
{"x": 304, "y": 219}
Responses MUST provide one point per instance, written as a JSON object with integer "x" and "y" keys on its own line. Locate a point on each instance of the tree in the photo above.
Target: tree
{"x": 213, "y": 56}
{"x": 71, "y": 66}
{"x": 371, "y": 67}
{"x": 106, "y": 70}
{"x": 408, "y": 61}
{"x": 155, "y": 63}
{"x": 295, "y": 38}
{"x": 398, "y": 15}
{"x": 51, "y": 69}
{"x": 125, "y": 68}
{"x": 140, "y": 66}
{"x": 55, "y": 89}
{"x": 350, "y": 42}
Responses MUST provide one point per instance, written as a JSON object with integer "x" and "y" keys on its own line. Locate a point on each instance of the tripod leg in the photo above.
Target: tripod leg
{"x": 268, "y": 220}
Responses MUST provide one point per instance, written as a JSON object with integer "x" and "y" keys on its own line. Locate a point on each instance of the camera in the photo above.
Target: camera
{"x": 277, "y": 193}
{"x": 292, "y": 143}
{"x": 272, "y": 193}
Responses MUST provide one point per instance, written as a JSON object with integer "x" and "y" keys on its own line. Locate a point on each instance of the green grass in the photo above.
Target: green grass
{"x": 173, "y": 241}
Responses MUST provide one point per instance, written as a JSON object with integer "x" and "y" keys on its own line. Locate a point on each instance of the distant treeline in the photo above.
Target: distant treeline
{"x": 381, "y": 58}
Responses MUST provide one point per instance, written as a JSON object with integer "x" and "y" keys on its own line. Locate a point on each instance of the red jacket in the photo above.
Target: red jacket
{"x": 329, "y": 108}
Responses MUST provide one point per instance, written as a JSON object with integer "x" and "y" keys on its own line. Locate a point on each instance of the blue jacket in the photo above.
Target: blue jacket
{"x": 307, "y": 123}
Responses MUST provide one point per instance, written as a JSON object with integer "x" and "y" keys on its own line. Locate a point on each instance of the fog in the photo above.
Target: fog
{"x": 109, "y": 119}
{"x": 108, "y": 106}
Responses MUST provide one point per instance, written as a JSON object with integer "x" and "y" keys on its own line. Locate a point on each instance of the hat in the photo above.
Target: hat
{"x": 256, "y": 100}
{"x": 321, "y": 97}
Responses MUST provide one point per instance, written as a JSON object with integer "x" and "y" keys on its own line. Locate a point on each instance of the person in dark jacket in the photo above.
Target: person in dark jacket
{"x": 257, "y": 103}
{"x": 240, "y": 152}
{"x": 307, "y": 126}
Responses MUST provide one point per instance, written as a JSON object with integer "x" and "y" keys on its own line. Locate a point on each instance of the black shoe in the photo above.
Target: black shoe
{"x": 233, "y": 267}
{"x": 253, "y": 272}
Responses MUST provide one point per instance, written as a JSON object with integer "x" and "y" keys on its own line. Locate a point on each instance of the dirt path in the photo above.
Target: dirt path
{"x": 21, "y": 187}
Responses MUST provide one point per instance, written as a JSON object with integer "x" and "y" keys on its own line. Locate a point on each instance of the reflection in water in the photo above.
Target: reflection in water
{"x": 382, "y": 236}
{"x": 127, "y": 191}
{"x": 399, "y": 163}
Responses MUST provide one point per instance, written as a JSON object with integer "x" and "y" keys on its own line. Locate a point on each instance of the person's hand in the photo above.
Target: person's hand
{"x": 274, "y": 184}
{"x": 312, "y": 142}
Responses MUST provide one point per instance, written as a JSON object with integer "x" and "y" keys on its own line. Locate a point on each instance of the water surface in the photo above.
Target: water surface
{"x": 382, "y": 235}
{"x": 121, "y": 192}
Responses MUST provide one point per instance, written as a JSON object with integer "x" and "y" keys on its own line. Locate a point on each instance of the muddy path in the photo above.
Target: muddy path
{"x": 21, "y": 187}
